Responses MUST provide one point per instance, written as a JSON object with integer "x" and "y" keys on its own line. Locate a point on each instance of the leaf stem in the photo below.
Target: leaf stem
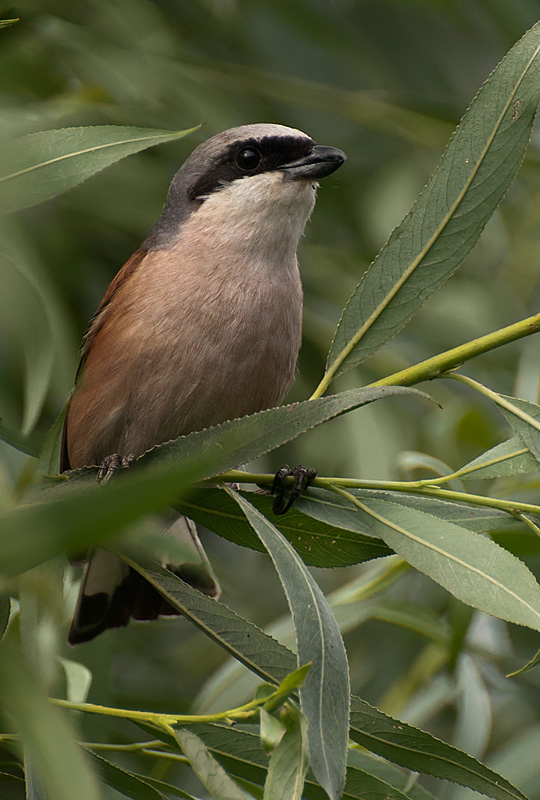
{"x": 451, "y": 359}
{"x": 166, "y": 721}
{"x": 497, "y": 399}
{"x": 422, "y": 487}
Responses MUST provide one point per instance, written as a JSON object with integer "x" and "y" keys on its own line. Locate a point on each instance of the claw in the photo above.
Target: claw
{"x": 112, "y": 464}
{"x": 303, "y": 478}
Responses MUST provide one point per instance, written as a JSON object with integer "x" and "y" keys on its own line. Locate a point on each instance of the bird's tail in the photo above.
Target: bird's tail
{"x": 112, "y": 593}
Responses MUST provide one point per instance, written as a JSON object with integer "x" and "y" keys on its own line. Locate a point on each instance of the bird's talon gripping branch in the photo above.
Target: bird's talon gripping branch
{"x": 112, "y": 464}
{"x": 303, "y": 478}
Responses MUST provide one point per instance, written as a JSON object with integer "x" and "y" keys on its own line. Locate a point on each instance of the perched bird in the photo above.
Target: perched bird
{"x": 202, "y": 324}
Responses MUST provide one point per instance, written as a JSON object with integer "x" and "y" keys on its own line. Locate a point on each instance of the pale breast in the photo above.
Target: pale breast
{"x": 184, "y": 349}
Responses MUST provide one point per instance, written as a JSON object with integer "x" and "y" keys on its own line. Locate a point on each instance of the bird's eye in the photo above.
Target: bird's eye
{"x": 248, "y": 159}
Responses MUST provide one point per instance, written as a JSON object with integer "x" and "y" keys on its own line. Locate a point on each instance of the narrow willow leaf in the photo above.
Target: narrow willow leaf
{"x": 49, "y": 452}
{"x": 127, "y": 783}
{"x": 78, "y": 680}
{"x": 399, "y": 779}
{"x": 5, "y": 22}
{"x": 324, "y": 695}
{"x": 392, "y": 739}
{"x": 420, "y": 752}
{"x": 166, "y": 788}
{"x": 472, "y": 177}
{"x": 58, "y": 766}
{"x": 72, "y": 518}
{"x": 272, "y": 730}
{"x": 17, "y": 440}
{"x": 241, "y": 440}
{"x": 288, "y": 764}
{"x": 535, "y": 660}
{"x": 507, "y": 458}
{"x": 256, "y": 650}
{"x": 241, "y": 753}
{"x": 473, "y": 568}
{"x": 319, "y": 544}
{"x": 524, "y": 417}
{"x": 208, "y": 770}
{"x": 41, "y": 165}
{"x": 336, "y": 510}
{"x": 33, "y": 329}
{"x": 5, "y": 610}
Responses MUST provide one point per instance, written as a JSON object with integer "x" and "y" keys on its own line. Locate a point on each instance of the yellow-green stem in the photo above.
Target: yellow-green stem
{"x": 425, "y": 488}
{"x": 450, "y": 359}
{"x": 163, "y": 720}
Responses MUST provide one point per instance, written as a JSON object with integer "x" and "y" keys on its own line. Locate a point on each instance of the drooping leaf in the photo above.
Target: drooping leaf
{"x": 127, "y": 783}
{"x": 507, "y": 458}
{"x": 73, "y": 517}
{"x": 288, "y": 764}
{"x": 271, "y": 661}
{"x": 5, "y": 610}
{"x": 324, "y": 695}
{"x": 525, "y": 422}
{"x": 26, "y": 444}
{"x": 472, "y": 567}
{"x": 208, "y": 770}
{"x": 472, "y": 177}
{"x": 238, "y": 441}
{"x": 33, "y": 330}
{"x": 58, "y": 766}
{"x": 41, "y": 165}
{"x": 419, "y": 751}
{"x": 335, "y": 510}
{"x": 320, "y": 544}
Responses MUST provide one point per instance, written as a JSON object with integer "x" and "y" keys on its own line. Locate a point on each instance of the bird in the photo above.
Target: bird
{"x": 202, "y": 324}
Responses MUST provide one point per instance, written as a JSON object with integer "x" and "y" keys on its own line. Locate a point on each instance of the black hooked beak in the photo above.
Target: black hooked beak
{"x": 319, "y": 162}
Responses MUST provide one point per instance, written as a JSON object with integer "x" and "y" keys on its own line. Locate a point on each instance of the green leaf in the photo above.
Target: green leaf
{"x": 272, "y": 730}
{"x": 127, "y": 783}
{"x": 336, "y": 510}
{"x": 78, "y": 680}
{"x": 4, "y": 23}
{"x": 367, "y": 762}
{"x": 268, "y": 659}
{"x": 294, "y": 680}
{"x": 507, "y": 458}
{"x": 419, "y": 751}
{"x": 41, "y": 165}
{"x": 288, "y": 764}
{"x": 17, "y": 440}
{"x": 49, "y": 453}
{"x": 324, "y": 695}
{"x": 58, "y": 765}
{"x": 240, "y": 752}
{"x": 208, "y": 770}
{"x": 241, "y": 440}
{"x": 80, "y": 514}
{"x": 258, "y": 651}
{"x": 320, "y": 544}
{"x": 524, "y": 417}
{"x": 34, "y": 329}
{"x": 472, "y": 567}
{"x": 472, "y": 177}
{"x": 5, "y": 610}
{"x": 535, "y": 660}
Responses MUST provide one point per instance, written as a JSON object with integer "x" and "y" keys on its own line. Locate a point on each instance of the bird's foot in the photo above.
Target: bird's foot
{"x": 112, "y": 464}
{"x": 303, "y": 478}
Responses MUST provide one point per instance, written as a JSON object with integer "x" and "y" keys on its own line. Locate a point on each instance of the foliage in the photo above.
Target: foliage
{"x": 82, "y": 89}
